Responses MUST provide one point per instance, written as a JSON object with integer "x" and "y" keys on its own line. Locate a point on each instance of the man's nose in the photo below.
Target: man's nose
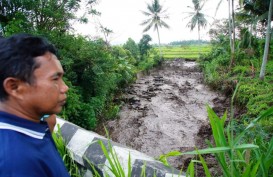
{"x": 64, "y": 88}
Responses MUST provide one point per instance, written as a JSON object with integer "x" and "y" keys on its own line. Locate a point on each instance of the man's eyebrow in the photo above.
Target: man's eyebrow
{"x": 58, "y": 74}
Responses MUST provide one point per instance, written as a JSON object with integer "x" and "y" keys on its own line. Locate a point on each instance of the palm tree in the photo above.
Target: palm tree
{"x": 156, "y": 14}
{"x": 197, "y": 17}
{"x": 267, "y": 41}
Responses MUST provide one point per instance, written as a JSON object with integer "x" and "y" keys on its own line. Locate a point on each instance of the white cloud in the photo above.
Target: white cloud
{"x": 123, "y": 17}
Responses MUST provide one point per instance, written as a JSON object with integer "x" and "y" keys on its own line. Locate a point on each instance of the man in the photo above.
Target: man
{"x": 31, "y": 86}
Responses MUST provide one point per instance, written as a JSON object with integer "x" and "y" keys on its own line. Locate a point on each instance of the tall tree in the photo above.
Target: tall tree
{"x": 42, "y": 15}
{"x": 267, "y": 41}
{"x": 106, "y": 32}
{"x": 197, "y": 17}
{"x": 231, "y": 24}
{"x": 131, "y": 46}
{"x": 232, "y": 33}
{"x": 144, "y": 45}
{"x": 155, "y": 15}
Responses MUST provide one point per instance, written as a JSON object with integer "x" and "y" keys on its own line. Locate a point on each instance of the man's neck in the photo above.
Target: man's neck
{"x": 5, "y": 106}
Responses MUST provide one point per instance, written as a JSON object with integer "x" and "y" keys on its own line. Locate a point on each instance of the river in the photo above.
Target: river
{"x": 165, "y": 110}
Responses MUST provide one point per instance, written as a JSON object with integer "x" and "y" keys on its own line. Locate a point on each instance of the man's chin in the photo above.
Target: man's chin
{"x": 57, "y": 110}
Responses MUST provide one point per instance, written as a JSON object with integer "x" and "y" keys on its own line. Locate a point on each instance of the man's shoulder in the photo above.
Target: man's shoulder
{"x": 31, "y": 161}
{"x": 16, "y": 144}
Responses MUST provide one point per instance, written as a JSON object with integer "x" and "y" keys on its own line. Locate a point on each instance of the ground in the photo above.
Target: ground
{"x": 165, "y": 110}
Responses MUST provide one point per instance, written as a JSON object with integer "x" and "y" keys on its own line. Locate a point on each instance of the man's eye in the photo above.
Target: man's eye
{"x": 55, "y": 79}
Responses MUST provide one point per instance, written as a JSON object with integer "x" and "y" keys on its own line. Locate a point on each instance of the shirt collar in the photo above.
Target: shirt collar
{"x": 27, "y": 127}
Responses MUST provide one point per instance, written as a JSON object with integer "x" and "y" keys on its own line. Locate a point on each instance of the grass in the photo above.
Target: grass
{"x": 70, "y": 164}
{"x": 191, "y": 52}
{"x": 236, "y": 157}
{"x": 113, "y": 168}
{"x": 254, "y": 96}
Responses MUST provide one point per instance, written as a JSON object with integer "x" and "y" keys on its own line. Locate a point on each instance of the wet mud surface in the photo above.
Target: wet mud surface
{"x": 165, "y": 110}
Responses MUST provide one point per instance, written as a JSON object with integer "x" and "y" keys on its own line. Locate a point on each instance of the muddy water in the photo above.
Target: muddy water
{"x": 165, "y": 110}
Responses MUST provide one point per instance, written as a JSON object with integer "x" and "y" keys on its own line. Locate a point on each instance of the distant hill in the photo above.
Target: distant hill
{"x": 189, "y": 42}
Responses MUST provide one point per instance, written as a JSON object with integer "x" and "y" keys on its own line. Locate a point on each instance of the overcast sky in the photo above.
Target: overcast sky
{"x": 123, "y": 17}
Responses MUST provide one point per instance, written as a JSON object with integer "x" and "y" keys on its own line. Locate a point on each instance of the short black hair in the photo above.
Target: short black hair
{"x": 17, "y": 55}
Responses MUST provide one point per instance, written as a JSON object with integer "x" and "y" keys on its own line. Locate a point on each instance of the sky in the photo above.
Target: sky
{"x": 124, "y": 17}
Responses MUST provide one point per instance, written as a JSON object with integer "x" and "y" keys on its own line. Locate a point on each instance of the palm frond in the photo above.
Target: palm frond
{"x": 146, "y": 13}
{"x": 164, "y": 24}
{"x": 190, "y": 15}
{"x": 150, "y": 8}
{"x": 164, "y": 11}
{"x": 148, "y": 27}
{"x": 145, "y": 22}
{"x": 217, "y": 7}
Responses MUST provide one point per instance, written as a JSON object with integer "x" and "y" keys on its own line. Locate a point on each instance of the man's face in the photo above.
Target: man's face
{"x": 47, "y": 94}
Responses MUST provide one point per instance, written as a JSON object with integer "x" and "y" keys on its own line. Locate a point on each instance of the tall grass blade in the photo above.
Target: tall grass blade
{"x": 206, "y": 169}
{"x": 255, "y": 168}
{"x": 190, "y": 169}
{"x": 129, "y": 166}
{"x": 214, "y": 150}
{"x": 163, "y": 157}
{"x": 143, "y": 170}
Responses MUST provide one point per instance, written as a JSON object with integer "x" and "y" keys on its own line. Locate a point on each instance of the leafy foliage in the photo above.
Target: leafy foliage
{"x": 28, "y": 15}
{"x": 133, "y": 48}
{"x": 144, "y": 46}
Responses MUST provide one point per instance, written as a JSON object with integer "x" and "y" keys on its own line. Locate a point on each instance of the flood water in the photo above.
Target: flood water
{"x": 165, "y": 110}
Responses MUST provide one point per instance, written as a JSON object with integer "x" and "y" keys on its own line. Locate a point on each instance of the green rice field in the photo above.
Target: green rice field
{"x": 190, "y": 52}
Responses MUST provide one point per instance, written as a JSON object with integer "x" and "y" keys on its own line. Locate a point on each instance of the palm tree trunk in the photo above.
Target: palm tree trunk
{"x": 199, "y": 33}
{"x": 159, "y": 45}
{"x": 199, "y": 39}
{"x": 229, "y": 28}
{"x": 267, "y": 41}
{"x": 232, "y": 37}
{"x": 233, "y": 26}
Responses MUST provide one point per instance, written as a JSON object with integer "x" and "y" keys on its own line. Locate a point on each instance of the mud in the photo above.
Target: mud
{"x": 165, "y": 110}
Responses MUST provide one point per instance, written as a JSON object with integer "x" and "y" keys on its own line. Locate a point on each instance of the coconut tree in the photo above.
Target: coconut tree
{"x": 197, "y": 17}
{"x": 267, "y": 41}
{"x": 155, "y": 15}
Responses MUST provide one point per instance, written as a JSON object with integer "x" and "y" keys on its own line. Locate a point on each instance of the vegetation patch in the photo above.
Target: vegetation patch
{"x": 192, "y": 52}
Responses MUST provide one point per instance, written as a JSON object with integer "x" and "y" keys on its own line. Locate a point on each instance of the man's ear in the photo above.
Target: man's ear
{"x": 14, "y": 87}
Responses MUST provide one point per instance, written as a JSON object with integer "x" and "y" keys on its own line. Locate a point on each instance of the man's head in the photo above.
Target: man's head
{"x": 31, "y": 76}
{"x": 17, "y": 58}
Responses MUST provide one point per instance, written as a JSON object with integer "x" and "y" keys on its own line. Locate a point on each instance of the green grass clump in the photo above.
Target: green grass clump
{"x": 254, "y": 96}
{"x": 70, "y": 164}
{"x": 237, "y": 155}
{"x": 114, "y": 168}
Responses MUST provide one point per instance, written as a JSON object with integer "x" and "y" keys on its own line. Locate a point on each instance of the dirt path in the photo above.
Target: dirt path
{"x": 165, "y": 110}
